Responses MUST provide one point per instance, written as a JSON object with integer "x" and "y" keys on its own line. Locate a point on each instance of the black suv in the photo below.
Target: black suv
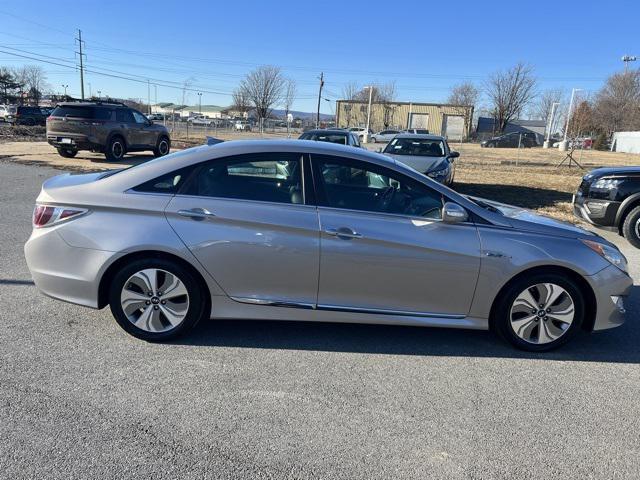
{"x": 512, "y": 140}
{"x": 108, "y": 127}
{"x": 27, "y": 116}
{"x": 610, "y": 198}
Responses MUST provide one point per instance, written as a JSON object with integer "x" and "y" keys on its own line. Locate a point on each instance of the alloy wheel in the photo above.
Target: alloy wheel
{"x": 163, "y": 148}
{"x": 154, "y": 300}
{"x": 117, "y": 150}
{"x": 542, "y": 313}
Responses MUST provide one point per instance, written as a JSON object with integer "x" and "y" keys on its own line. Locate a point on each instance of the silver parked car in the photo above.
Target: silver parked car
{"x": 303, "y": 230}
{"x": 428, "y": 154}
{"x": 384, "y": 136}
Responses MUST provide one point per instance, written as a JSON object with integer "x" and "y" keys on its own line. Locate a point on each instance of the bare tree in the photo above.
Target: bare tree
{"x": 265, "y": 88}
{"x": 32, "y": 80}
{"x": 464, "y": 94}
{"x": 384, "y": 94}
{"x": 617, "y": 104}
{"x": 290, "y": 93}
{"x": 541, "y": 110}
{"x": 349, "y": 92}
{"x": 582, "y": 121}
{"x": 510, "y": 92}
{"x": 241, "y": 102}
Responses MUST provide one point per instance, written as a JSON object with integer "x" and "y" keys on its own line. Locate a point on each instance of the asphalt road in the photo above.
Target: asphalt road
{"x": 81, "y": 399}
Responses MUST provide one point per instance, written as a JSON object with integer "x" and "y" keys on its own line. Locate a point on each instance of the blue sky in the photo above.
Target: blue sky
{"x": 425, "y": 47}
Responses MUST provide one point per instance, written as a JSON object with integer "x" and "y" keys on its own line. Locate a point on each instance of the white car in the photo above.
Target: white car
{"x": 243, "y": 126}
{"x": 6, "y": 110}
{"x": 384, "y": 136}
{"x": 360, "y": 131}
{"x": 200, "y": 120}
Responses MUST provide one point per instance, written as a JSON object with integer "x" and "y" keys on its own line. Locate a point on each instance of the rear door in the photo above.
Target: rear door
{"x": 250, "y": 222}
{"x": 142, "y": 131}
{"x": 384, "y": 247}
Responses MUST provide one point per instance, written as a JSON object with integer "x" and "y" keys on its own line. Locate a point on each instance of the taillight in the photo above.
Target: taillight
{"x": 47, "y": 215}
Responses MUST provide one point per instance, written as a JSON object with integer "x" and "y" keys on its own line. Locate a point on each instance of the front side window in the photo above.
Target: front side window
{"x": 422, "y": 147}
{"x": 273, "y": 177}
{"x": 356, "y": 185}
{"x": 124, "y": 115}
{"x": 138, "y": 117}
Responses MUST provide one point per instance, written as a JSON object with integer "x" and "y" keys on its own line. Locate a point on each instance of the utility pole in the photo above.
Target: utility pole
{"x": 200, "y": 103}
{"x": 155, "y": 87}
{"x": 366, "y": 133}
{"x": 148, "y": 97}
{"x": 81, "y": 64}
{"x": 89, "y": 83}
{"x": 319, "y": 96}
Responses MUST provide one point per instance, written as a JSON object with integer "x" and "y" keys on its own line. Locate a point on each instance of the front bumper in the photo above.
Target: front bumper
{"x": 62, "y": 271}
{"x": 611, "y": 287}
{"x": 597, "y": 212}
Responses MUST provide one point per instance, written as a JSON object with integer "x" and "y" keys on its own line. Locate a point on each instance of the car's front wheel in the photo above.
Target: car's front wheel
{"x": 631, "y": 227}
{"x": 156, "y": 299}
{"x": 540, "y": 312}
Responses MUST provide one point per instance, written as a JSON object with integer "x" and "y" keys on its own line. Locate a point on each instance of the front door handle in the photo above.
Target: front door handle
{"x": 343, "y": 232}
{"x": 196, "y": 213}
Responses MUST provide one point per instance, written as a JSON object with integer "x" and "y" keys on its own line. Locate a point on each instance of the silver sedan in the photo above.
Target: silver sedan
{"x": 301, "y": 230}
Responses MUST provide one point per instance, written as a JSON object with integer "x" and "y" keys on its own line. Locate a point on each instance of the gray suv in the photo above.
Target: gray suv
{"x": 110, "y": 128}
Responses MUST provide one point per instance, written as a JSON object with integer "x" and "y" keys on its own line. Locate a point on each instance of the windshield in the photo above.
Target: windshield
{"x": 325, "y": 137}
{"x": 422, "y": 147}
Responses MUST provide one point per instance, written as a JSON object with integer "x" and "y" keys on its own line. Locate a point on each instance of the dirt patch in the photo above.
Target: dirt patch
{"x": 22, "y": 133}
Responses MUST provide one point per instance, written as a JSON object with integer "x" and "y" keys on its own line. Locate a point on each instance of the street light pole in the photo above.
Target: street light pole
{"x": 550, "y": 123}
{"x": 65, "y": 90}
{"x": 365, "y": 137}
{"x": 200, "y": 103}
{"x": 566, "y": 127}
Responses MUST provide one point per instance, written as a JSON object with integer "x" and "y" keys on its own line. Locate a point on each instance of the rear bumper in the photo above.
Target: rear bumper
{"x": 611, "y": 287}
{"x": 75, "y": 141}
{"x": 64, "y": 272}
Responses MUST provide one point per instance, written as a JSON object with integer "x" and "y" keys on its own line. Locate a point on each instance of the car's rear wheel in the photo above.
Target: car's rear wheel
{"x": 540, "y": 312}
{"x": 162, "y": 147}
{"x": 116, "y": 149}
{"x": 631, "y": 227}
{"x": 67, "y": 152}
{"x": 156, "y": 299}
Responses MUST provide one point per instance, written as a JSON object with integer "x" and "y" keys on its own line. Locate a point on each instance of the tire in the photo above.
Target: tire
{"x": 631, "y": 227}
{"x": 491, "y": 145}
{"x": 515, "y": 314}
{"x": 163, "y": 146}
{"x": 116, "y": 149}
{"x": 150, "y": 321}
{"x": 67, "y": 152}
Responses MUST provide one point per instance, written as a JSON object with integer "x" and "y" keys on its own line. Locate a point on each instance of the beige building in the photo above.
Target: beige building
{"x": 451, "y": 121}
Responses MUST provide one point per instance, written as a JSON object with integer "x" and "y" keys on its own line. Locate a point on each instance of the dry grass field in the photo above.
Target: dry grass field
{"x": 529, "y": 178}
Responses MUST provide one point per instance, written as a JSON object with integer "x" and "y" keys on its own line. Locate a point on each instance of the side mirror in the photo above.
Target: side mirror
{"x": 454, "y": 213}
{"x": 453, "y": 155}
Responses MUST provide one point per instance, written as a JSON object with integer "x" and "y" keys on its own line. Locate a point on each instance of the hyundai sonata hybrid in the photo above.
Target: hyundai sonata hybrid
{"x": 302, "y": 230}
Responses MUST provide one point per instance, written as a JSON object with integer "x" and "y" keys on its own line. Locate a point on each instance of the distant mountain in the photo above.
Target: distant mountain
{"x": 302, "y": 115}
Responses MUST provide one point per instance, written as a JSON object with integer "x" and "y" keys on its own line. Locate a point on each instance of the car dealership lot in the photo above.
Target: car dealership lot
{"x": 80, "y": 398}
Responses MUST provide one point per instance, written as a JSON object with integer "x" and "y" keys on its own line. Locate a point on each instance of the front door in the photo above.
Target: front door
{"x": 245, "y": 219}
{"x": 384, "y": 247}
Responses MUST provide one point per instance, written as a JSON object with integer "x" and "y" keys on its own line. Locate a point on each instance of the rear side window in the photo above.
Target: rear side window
{"x": 93, "y": 113}
{"x": 273, "y": 177}
{"x": 168, "y": 183}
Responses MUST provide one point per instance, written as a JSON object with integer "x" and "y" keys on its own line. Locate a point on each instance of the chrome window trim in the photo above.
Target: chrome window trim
{"x": 243, "y": 200}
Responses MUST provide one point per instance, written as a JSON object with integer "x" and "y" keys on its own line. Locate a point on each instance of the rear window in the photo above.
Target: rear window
{"x": 325, "y": 137}
{"x": 94, "y": 113}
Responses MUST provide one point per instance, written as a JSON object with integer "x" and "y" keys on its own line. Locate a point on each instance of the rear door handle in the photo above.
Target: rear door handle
{"x": 196, "y": 213}
{"x": 343, "y": 232}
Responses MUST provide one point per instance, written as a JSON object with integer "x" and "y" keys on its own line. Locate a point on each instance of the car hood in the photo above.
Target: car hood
{"x": 524, "y": 219}
{"x": 610, "y": 171}
{"x": 420, "y": 163}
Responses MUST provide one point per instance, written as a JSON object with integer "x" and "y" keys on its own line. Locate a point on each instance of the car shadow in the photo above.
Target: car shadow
{"x": 619, "y": 345}
{"x": 527, "y": 197}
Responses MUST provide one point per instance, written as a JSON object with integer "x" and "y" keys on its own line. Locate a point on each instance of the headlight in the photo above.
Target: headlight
{"x": 613, "y": 255}
{"x": 440, "y": 172}
{"x": 607, "y": 183}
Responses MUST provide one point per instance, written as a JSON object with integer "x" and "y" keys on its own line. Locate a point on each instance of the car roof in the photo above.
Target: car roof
{"x": 421, "y": 136}
{"x": 328, "y": 130}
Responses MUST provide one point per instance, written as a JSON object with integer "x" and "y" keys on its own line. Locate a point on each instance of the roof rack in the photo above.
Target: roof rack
{"x": 99, "y": 102}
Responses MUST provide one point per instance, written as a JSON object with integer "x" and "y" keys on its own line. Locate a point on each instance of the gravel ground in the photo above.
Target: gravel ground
{"x": 81, "y": 399}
